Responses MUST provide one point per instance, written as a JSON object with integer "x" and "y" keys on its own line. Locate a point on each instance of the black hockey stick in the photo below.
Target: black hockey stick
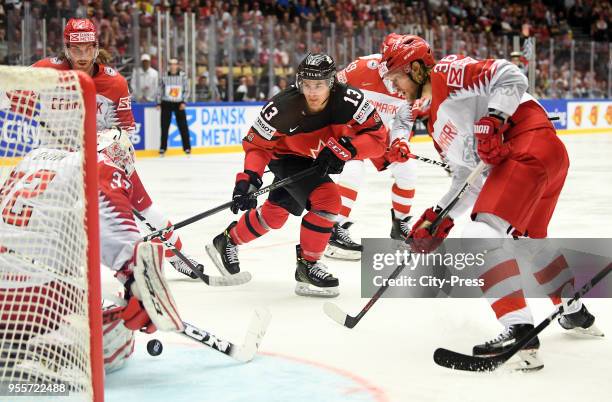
{"x": 430, "y": 161}
{"x": 335, "y": 313}
{"x": 237, "y": 279}
{"x": 458, "y": 361}
{"x": 281, "y": 183}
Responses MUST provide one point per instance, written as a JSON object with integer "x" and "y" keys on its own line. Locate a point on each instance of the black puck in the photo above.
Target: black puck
{"x": 155, "y": 347}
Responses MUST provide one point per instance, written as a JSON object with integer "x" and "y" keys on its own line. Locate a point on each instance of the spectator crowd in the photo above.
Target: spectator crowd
{"x": 250, "y": 34}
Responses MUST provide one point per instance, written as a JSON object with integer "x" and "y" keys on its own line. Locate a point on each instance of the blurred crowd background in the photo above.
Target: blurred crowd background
{"x": 247, "y": 50}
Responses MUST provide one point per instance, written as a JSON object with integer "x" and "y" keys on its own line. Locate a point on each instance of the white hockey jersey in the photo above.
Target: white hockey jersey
{"x": 42, "y": 235}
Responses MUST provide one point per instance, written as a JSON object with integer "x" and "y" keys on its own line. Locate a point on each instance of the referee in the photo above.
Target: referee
{"x": 171, "y": 97}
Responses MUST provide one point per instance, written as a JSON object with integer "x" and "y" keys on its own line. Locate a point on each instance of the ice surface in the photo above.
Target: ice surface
{"x": 388, "y": 356}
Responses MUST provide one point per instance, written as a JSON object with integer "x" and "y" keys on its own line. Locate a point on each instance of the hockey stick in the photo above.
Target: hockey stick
{"x": 335, "y": 313}
{"x": 237, "y": 279}
{"x": 430, "y": 161}
{"x": 458, "y": 361}
{"x": 243, "y": 353}
{"x": 281, "y": 183}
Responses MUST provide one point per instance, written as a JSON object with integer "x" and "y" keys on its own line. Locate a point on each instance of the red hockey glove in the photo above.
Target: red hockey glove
{"x": 135, "y": 317}
{"x": 336, "y": 153}
{"x": 399, "y": 151}
{"x": 246, "y": 182}
{"x": 421, "y": 239}
{"x": 489, "y": 132}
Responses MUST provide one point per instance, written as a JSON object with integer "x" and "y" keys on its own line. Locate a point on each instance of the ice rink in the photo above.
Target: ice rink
{"x": 388, "y": 357}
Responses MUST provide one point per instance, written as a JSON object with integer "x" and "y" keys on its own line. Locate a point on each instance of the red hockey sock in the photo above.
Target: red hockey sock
{"x": 317, "y": 224}
{"x": 401, "y": 201}
{"x": 257, "y": 222}
{"x": 348, "y": 199}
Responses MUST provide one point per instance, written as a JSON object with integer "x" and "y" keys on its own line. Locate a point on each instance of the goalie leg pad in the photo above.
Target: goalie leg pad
{"x": 118, "y": 340}
{"x": 151, "y": 288}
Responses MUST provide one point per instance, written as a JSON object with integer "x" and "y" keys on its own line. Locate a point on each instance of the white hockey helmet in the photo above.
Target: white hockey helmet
{"x": 116, "y": 145}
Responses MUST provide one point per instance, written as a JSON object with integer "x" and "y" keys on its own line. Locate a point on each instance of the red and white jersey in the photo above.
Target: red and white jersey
{"x": 364, "y": 74}
{"x": 118, "y": 230}
{"x": 463, "y": 90}
{"x": 114, "y": 105}
{"x": 41, "y": 230}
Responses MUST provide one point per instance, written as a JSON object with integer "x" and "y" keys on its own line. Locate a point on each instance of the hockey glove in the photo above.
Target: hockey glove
{"x": 399, "y": 151}
{"x": 332, "y": 158}
{"x": 420, "y": 237}
{"x": 489, "y": 132}
{"x": 246, "y": 182}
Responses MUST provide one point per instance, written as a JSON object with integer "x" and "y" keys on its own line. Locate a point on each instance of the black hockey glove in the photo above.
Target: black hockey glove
{"x": 332, "y": 158}
{"x": 246, "y": 182}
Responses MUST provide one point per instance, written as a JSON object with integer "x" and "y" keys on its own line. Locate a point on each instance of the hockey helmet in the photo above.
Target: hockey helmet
{"x": 80, "y": 30}
{"x": 399, "y": 51}
{"x": 316, "y": 66}
{"x": 116, "y": 145}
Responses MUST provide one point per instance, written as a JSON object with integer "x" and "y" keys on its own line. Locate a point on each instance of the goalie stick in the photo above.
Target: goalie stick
{"x": 337, "y": 314}
{"x": 243, "y": 353}
{"x": 459, "y": 361}
{"x": 281, "y": 183}
{"x": 237, "y": 279}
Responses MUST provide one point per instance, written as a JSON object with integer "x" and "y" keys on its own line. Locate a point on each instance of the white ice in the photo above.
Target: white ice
{"x": 391, "y": 349}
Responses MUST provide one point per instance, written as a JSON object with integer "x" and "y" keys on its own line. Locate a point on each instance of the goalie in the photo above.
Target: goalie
{"x": 39, "y": 302}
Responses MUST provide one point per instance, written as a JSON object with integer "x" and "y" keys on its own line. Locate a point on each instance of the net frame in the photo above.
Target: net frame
{"x": 29, "y": 79}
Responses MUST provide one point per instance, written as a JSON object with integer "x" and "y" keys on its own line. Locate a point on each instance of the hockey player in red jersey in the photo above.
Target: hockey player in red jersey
{"x": 398, "y": 115}
{"x": 81, "y": 52}
{"x": 480, "y": 110}
{"x": 317, "y": 122}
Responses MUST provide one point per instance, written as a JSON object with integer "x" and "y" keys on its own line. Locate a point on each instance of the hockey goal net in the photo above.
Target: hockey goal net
{"x": 50, "y": 326}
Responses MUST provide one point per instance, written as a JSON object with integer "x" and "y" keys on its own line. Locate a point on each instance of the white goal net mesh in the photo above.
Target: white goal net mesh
{"x": 44, "y": 325}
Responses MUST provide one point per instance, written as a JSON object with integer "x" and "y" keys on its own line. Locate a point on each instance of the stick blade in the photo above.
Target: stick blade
{"x": 335, "y": 313}
{"x": 459, "y": 361}
{"x": 237, "y": 279}
{"x": 254, "y": 336}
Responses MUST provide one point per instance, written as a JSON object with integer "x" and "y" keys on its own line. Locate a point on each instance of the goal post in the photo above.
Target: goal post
{"x": 50, "y": 296}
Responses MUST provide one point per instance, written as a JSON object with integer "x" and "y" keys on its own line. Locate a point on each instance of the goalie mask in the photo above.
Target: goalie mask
{"x": 116, "y": 145}
{"x": 317, "y": 66}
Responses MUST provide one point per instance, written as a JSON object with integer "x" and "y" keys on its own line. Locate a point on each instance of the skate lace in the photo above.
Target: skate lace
{"x": 503, "y": 336}
{"x": 344, "y": 234}
{"x": 231, "y": 253}
{"x": 182, "y": 267}
{"x": 405, "y": 226}
{"x": 319, "y": 272}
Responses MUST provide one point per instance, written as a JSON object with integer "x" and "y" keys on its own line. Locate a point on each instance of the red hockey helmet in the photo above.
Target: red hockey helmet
{"x": 399, "y": 51}
{"x": 80, "y": 30}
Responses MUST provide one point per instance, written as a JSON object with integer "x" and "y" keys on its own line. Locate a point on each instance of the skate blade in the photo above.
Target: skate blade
{"x": 591, "y": 332}
{"x": 216, "y": 259}
{"x": 305, "y": 289}
{"x": 526, "y": 360}
{"x": 338, "y": 253}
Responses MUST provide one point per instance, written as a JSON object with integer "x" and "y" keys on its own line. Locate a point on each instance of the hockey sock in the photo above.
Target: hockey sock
{"x": 401, "y": 200}
{"x": 257, "y": 222}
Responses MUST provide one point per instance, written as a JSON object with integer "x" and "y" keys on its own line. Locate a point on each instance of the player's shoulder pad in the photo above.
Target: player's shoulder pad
{"x": 350, "y": 103}
{"x": 280, "y": 113}
{"x": 52, "y": 62}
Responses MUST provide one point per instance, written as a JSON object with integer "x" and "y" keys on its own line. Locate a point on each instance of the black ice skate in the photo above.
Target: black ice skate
{"x": 528, "y": 356}
{"x": 400, "y": 228}
{"x": 224, "y": 252}
{"x": 183, "y": 268}
{"x": 313, "y": 279}
{"x": 341, "y": 246}
{"x": 581, "y": 322}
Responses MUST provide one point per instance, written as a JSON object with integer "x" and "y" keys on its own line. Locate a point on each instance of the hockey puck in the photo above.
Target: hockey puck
{"x": 155, "y": 347}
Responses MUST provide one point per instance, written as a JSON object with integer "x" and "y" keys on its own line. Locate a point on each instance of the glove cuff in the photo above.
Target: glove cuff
{"x": 250, "y": 177}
